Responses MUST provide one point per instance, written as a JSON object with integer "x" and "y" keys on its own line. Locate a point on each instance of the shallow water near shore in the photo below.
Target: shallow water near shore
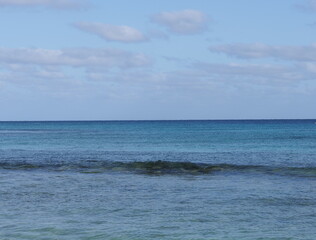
{"x": 158, "y": 180}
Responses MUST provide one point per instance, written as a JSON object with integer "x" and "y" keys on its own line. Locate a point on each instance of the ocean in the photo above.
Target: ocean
{"x": 137, "y": 180}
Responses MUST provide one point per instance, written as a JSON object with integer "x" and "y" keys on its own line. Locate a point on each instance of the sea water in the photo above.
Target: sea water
{"x": 158, "y": 180}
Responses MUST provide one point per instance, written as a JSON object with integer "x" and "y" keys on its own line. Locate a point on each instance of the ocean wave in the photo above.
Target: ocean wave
{"x": 159, "y": 168}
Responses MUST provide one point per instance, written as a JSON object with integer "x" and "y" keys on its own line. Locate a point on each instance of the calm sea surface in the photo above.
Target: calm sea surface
{"x": 120, "y": 180}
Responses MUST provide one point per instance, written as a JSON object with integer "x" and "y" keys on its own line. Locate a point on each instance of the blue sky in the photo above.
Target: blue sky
{"x": 140, "y": 59}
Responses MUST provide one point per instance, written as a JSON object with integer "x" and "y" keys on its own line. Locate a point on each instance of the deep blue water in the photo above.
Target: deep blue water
{"x": 251, "y": 179}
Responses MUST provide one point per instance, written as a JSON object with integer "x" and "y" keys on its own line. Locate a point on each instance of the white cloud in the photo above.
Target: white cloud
{"x": 112, "y": 32}
{"x": 182, "y": 22}
{"x": 259, "y": 50}
{"x": 76, "y": 57}
{"x": 61, "y": 4}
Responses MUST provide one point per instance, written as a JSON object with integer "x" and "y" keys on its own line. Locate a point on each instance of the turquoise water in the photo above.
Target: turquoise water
{"x": 158, "y": 180}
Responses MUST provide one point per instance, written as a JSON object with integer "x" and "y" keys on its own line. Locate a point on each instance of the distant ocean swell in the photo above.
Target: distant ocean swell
{"x": 159, "y": 168}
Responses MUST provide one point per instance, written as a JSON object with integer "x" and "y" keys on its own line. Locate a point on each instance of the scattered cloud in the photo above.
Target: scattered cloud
{"x": 59, "y": 4}
{"x": 259, "y": 50}
{"x": 75, "y": 57}
{"x": 112, "y": 32}
{"x": 182, "y": 22}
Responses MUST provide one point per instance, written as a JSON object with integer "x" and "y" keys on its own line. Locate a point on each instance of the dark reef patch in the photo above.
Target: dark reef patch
{"x": 158, "y": 168}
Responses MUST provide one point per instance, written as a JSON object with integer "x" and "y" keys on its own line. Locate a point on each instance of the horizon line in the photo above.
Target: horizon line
{"x": 153, "y": 120}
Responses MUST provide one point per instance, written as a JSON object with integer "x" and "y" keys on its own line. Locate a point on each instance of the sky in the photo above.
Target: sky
{"x": 157, "y": 60}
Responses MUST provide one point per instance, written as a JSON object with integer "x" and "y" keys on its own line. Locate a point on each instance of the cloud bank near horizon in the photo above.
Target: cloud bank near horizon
{"x": 75, "y": 57}
{"x": 260, "y": 50}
